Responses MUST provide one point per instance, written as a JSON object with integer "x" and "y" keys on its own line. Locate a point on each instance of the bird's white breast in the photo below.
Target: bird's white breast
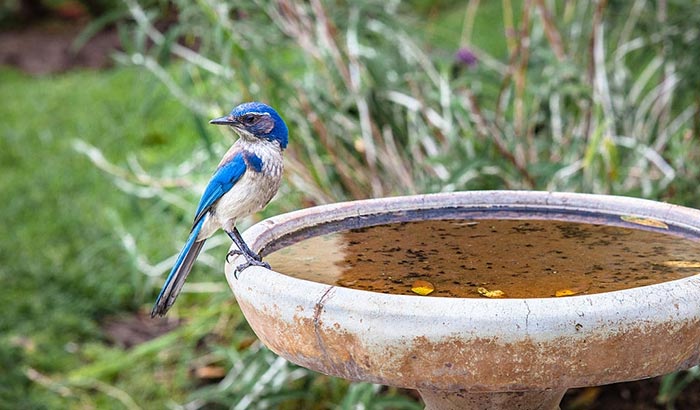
{"x": 252, "y": 191}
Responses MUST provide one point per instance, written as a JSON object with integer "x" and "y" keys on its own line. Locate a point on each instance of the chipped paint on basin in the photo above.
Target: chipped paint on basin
{"x": 473, "y": 345}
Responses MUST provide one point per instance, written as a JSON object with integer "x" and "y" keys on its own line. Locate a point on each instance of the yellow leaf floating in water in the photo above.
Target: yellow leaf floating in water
{"x": 564, "y": 292}
{"x": 422, "y": 287}
{"x": 682, "y": 264}
{"x": 654, "y": 223}
{"x": 490, "y": 293}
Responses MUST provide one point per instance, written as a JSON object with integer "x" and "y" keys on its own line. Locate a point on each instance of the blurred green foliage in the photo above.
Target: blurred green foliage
{"x": 101, "y": 170}
{"x": 552, "y": 104}
{"x": 58, "y": 252}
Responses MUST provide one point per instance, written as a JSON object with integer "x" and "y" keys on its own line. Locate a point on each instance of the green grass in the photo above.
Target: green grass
{"x": 65, "y": 269}
{"x": 62, "y": 266}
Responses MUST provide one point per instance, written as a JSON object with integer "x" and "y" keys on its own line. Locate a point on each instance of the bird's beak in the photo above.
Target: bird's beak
{"x": 225, "y": 120}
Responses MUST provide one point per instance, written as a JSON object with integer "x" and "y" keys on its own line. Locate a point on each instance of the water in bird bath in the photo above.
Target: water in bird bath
{"x": 513, "y": 258}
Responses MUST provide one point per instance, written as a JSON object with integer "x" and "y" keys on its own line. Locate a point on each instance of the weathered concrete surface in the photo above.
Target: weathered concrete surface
{"x": 454, "y": 350}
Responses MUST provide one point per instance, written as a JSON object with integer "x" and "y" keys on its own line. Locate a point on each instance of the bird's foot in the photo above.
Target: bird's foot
{"x": 256, "y": 261}
{"x": 232, "y": 253}
{"x": 249, "y": 256}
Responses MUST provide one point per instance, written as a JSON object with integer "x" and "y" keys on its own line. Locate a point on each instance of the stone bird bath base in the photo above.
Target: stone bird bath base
{"x": 472, "y": 353}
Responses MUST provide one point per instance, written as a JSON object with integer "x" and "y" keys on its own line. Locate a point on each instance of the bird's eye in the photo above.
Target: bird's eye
{"x": 248, "y": 119}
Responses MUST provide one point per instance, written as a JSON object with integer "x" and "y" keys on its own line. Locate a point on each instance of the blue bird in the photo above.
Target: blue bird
{"x": 246, "y": 179}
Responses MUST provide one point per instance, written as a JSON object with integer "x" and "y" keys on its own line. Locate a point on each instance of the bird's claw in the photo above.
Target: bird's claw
{"x": 236, "y": 252}
{"x": 250, "y": 262}
{"x": 252, "y": 259}
{"x": 232, "y": 253}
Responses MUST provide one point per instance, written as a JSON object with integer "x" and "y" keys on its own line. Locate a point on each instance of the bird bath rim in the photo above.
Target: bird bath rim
{"x": 473, "y": 345}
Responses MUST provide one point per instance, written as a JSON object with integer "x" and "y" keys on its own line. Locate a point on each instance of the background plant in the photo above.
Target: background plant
{"x": 381, "y": 100}
{"x": 585, "y": 96}
{"x": 577, "y": 103}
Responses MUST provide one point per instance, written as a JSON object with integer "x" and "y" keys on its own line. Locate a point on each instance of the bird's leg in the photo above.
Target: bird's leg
{"x": 242, "y": 246}
{"x": 231, "y": 253}
{"x": 252, "y": 258}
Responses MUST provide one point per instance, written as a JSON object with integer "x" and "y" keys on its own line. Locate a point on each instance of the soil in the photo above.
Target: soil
{"x": 129, "y": 330}
{"x": 46, "y": 48}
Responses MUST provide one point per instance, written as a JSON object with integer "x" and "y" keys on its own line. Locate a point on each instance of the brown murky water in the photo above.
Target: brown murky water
{"x": 521, "y": 258}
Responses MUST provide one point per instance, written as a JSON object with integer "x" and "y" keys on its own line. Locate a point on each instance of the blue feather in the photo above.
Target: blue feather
{"x": 253, "y": 161}
{"x": 248, "y": 119}
{"x": 221, "y": 182}
{"x": 178, "y": 274}
{"x": 274, "y": 131}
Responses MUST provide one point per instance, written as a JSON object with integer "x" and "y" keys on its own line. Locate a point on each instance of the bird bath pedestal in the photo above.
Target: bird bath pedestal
{"x": 462, "y": 353}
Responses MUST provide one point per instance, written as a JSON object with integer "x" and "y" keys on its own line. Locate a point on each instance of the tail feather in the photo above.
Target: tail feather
{"x": 178, "y": 275}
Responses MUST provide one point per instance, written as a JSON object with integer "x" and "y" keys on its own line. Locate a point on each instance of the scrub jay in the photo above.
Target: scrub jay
{"x": 246, "y": 179}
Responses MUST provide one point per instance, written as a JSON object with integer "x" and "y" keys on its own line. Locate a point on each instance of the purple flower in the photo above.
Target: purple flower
{"x": 466, "y": 57}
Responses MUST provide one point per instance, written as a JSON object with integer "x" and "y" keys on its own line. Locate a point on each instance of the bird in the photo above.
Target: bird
{"x": 244, "y": 182}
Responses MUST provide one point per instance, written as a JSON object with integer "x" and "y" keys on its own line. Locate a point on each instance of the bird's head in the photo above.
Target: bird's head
{"x": 256, "y": 120}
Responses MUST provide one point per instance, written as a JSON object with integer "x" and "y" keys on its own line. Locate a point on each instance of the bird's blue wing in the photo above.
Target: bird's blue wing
{"x": 221, "y": 182}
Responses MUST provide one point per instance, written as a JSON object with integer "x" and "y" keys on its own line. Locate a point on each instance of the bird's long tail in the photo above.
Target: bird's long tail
{"x": 176, "y": 278}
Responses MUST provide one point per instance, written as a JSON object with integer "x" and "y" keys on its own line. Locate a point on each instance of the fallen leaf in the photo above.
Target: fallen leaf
{"x": 210, "y": 372}
{"x": 564, "y": 292}
{"x": 654, "y": 223}
{"x": 245, "y": 343}
{"x": 490, "y": 293}
{"x": 584, "y": 398}
{"x": 682, "y": 264}
{"x": 422, "y": 287}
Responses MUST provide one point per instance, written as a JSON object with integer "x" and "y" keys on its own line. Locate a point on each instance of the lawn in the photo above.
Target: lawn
{"x": 64, "y": 268}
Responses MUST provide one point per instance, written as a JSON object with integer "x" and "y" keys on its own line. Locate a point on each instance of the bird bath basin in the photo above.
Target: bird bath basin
{"x": 518, "y": 352}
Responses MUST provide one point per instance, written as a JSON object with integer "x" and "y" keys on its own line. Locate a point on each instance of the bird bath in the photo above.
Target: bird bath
{"x": 478, "y": 353}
